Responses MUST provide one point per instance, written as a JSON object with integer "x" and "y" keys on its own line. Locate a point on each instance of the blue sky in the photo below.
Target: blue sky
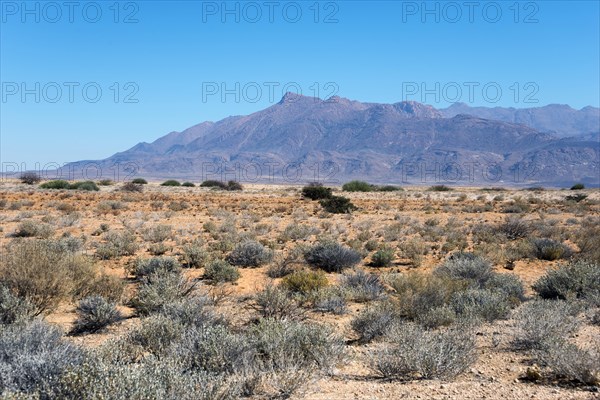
{"x": 162, "y": 66}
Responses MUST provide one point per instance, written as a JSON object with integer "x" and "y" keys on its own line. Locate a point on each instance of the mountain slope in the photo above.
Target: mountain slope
{"x": 301, "y": 139}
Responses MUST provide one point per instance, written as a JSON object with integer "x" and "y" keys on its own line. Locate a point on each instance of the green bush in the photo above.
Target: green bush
{"x": 94, "y": 314}
{"x": 316, "y": 191}
{"x": 578, "y": 186}
{"x": 358, "y": 186}
{"x": 439, "y": 188}
{"x": 337, "y": 205}
{"x": 304, "y": 281}
{"x": 219, "y": 271}
{"x": 139, "y": 181}
{"x": 85, "y": 185}
{"x": 170, "y": 182}
{"x": 56, "y": 184}
{"x": 188, "y": 184}
{"x": 576, "y": 280}
{"x": 106, "y": 182}
{"x": 234, "y": 186}
{"x": 389, "y": 188}
{"x": 34, "y": 229}
{"x": 213, "y": 184}
{"x": 331, "y": 257}
{"x": 383, "y": 257}
{"x": 250, "y": 254}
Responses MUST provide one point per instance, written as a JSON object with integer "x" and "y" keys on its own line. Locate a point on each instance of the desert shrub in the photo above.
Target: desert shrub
{"x": 171, "y": 182}
{"x": 337, "y": 205}
{"x": 276, "y": 302}
{"x": 110, "y": 206}
{"x": 234, "y": 186}
{"x": 548, "y": 249}
{"x": 362, "y": 286}
{"x": 389, "y": 188}
{"x": 250, "y": 254}
{"x": 308, "y": 346}
{"x": 419, "y": 293}
{"x": 160, "y": 289}
{"x": 213, "y": 184}
{"x": 373, "y": 323}
{"x": 108, "y": 286}
{"x": 439, "y": 188}
{"x": 150, "y": 378}
{"x": 193, "y": 255}
{"x": 178, "y": 206}
{"x": 516, "y": 206}
{"x": 117, "y": 244}
{"x": 158, "y": 249}
{"x": 132, "y": 187}
{"x": 33, "y": 357}
{"x": 481, "y": 303}
{"x": 467, "y": 267}
{"x": 94, "y": 314}
{"x": 30, "y": 178}
{"x": 414, "y": 250}
{"x": 219, "y": 271}
{"x": 574, "y": 280}
{"x": 31, "y": 228}
{"x": 541, "y": 322}
{"x": 155, "y": 334}
{"x": 569, "y": 362}
{"x": 304, "y": 281}
{"x": 437, "y": 317}
{"x": 576, "y": 197}
{"x": 89, "y": 186}
{"x": 158, "y": 233}
{"x": 56, "y": 184}
{"x": 382, "y": 257}
{"x": 44, "y": 272}
{"x": 578, "y": 186}
{"x": 188, "y": 184}
{"x": 508, "y": 284}
{"x": 139, "y": 181}
{"x": 213, "y": 349}
{"x": 142, "y": 268}
{"x": 105, "y": 182}
{"x": 515, "y": 228}
{"x": 332, "y": 301}
{"x": 192, "y": 311}
{"x": 331, "y": 257}
{"x": 297, "y": 232}
{"x": 415, "y": 353}
{"x": 316, "y": 191}
{"x": 357, "y": 186}
{"x": 14, "y": 309}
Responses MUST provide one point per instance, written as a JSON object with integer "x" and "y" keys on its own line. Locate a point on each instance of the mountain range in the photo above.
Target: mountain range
{"x": 302, "y": 139}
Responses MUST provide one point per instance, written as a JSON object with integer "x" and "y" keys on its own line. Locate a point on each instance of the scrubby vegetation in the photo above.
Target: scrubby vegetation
{"x": 337, "y": 205}
{"x": 171, "y": 182}
{"x": 192, "y": 294}
{"x": 30, "y": 178}
{"x": 61, "y": 184}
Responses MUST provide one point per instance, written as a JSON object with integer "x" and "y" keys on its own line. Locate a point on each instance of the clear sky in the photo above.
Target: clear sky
{"x": 164, "y": 66}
